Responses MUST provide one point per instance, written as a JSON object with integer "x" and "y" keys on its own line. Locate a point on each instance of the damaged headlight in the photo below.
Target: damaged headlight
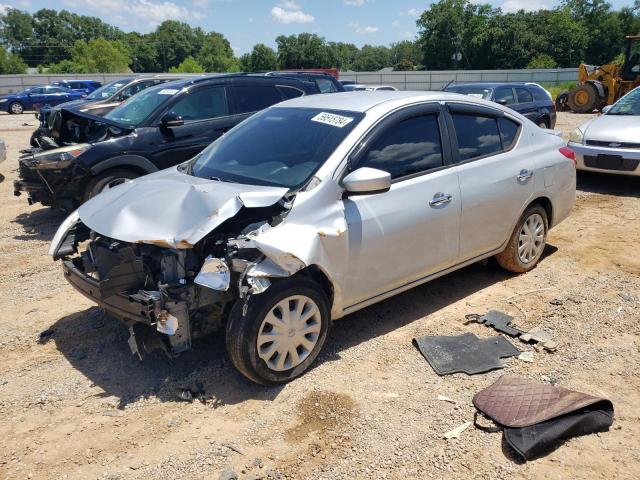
{"x": 214, "y": 274}
{"x": 59, "y": 158}
{"x": 68, "y": 223}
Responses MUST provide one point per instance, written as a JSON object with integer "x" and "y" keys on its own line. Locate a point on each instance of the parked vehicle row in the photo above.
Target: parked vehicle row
{"x": 33, "y": 98}
{"x": 305, "y": 212}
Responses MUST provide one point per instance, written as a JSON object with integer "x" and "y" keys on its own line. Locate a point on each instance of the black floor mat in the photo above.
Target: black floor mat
{"x": 465, "y": 353}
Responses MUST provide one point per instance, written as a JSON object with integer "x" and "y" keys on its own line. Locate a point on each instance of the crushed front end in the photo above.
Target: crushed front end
{"x": 166, "y": 294}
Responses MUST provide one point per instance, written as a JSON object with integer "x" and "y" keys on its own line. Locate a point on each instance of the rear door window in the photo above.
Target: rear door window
{"x": 290, "y": 92}
{"x": 252, "y": 98}
{"x": 202, "y": 104}
{"x": 408, "y": 147}
{"x": 478, "y": 136}
{"x": 504, "y": 96}
{"x": 524, "y": 95}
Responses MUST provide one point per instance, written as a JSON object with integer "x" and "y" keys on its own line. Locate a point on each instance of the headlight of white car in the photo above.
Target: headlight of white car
{"x": 60, "y": 235}
{"x": 60, "y": 157}
{"x": 576, "y": 136}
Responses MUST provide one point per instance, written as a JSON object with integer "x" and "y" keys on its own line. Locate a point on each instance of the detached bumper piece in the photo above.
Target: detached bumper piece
{"x": 46, "y": 189}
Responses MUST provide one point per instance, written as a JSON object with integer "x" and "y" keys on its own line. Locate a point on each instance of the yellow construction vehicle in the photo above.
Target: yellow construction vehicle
{"x": 603, "y": 85}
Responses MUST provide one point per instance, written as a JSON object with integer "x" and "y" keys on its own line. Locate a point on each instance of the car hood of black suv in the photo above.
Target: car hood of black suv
{"x": 170, "y": 208}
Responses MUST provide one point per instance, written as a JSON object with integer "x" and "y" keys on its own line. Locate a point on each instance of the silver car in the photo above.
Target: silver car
{"x": 311, "y": 210}
{"x": 610, "y": 143}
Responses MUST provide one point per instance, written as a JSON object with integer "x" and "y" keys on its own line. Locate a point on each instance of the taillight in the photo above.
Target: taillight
{"x": 570, "y": 154}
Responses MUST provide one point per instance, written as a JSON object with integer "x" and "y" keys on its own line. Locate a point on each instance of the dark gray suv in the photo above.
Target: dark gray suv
{"x": 528, "y": 99}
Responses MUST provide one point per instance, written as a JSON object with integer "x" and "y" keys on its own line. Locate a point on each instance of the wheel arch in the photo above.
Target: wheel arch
{"x": 136, "y": 163}
{"x": 545, "y": 203}
{"x": 315, "y": 273}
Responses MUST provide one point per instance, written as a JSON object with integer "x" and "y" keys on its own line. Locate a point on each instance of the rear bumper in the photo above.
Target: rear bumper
{"x": 618, "y": 161}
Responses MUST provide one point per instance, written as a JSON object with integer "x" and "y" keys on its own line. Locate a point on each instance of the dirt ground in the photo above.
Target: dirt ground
{"x": 74, "y": 403}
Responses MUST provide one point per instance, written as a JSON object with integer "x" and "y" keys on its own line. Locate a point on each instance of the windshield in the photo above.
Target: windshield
{"x": 627, "y": 105}
{"x": 135, "y": 110}
{"x": 107, "y": 90}
{"x": 478, "y": 92}
{"x": 280, "y": 147}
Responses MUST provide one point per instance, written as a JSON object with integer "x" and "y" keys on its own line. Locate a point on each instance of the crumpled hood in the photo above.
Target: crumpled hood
{"x": 170, "y": 208}
{"x": 613, "y": 128}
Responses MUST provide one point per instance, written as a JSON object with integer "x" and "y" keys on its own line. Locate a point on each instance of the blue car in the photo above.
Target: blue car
{"x": 528, "y": 99}
{"x": 82, "y": 86}
{"x": 35, "y": 97}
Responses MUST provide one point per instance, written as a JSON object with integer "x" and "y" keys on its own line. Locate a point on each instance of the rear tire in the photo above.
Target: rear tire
{"x": 527, "y": 242}
{"x": 16, "y": 108}
{"x": 583, "y": 98}
{"x": 106, "y": 180}
{"x": 257, "y": 359}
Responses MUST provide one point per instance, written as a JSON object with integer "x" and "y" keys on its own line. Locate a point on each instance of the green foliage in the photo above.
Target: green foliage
{"x": 542, "y": 60}
{"x": 306, "y": 50}
{"x": 216, "y": 54}
{"x": 372, "y": 58}
{"x": 188, "y": 65}
{"x": 406, "y": 55}
{"x": 11, "y": 63}
{"x": 66, "y": 66}
{"x": 101, "y": 56}
{"x": 261, "y": 58}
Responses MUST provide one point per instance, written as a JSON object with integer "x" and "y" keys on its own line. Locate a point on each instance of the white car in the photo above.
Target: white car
{"x": 610, "y": 143}
{"x": 370, "y": 88}
{"x": 311, "y": 210}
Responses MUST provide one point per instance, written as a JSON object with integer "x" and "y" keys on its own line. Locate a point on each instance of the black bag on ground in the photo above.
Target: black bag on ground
{"x": 537, "y": 417}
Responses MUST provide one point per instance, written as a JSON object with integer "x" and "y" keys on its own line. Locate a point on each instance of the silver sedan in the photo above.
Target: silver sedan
{"x": 311, "y": 210}
{"x": 611, "y": 142}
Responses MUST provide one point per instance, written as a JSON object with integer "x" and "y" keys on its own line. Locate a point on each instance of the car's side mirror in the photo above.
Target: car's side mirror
{"x": 367, "y": 181}
{"x": 502, "y": 101}
{"x": 172, "y": 120}
{"x": 606, "y": 108}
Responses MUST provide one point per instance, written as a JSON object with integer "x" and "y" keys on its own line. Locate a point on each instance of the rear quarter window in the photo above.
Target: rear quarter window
{"x": 539, "y": 94}
{"x": 252, "y": 98}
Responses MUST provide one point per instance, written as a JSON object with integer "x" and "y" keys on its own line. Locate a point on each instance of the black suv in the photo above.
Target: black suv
{"x": 326, "y": 82}
{"x": 158, "y": 128}
{"x": 528, "y": 99}
{"x": 99, "y": 101}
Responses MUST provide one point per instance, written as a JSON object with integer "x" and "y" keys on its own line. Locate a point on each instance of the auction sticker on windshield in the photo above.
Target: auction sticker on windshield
{"x": 168, "y": 91}
{"x": 332, "y": 119}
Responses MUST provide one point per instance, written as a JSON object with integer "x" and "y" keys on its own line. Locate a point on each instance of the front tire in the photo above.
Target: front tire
{"x": 583, "y": 98}
{"x": 16, "y": 108}
{"x": 527, "y": 242}
{"x": 281, "y": 331}
{"x": 107, "y": 180}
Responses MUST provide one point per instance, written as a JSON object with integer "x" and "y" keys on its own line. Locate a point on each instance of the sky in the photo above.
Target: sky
{"x": 247, "y": 22}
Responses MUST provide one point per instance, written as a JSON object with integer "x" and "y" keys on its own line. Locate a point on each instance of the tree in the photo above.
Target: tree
{"x": 65, "y": 66}
{"x": 343, "y": 55}
{"x": 189, "y": 65}
{"x": 306, "y": 50}
{"x": 176, "y": 41}
{"x": 372, "y": 58}
{"x": 542, "y": 60}
{"x": 95, "y": 56}
{"x": 261, "y": 58}
{"x": 144, "y": 52}
{"x": 11, "y": 63}
{"x": 405, "y": 55}
{"x": 216, "y": 54}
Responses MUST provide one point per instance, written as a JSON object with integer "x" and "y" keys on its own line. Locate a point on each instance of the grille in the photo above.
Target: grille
{"x": 598, "y": 143}
{"x": 611, "y": 163}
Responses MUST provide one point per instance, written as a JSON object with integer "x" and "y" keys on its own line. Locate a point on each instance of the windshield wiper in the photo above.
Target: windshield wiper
{"x": 218, "y": 179}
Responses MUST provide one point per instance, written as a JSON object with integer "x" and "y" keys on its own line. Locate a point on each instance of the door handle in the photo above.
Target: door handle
{"x": 524, "y": 175}
{"x": 440, "y": 199}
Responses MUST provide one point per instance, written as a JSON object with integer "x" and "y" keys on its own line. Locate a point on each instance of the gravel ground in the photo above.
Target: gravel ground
{"x": 74, "y": 403}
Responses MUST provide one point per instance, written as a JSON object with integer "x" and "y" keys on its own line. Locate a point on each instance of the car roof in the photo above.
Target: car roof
{"x": 491, "y": 84}
{"x": 358, "y": 102}
{"x": 184, "y": 82}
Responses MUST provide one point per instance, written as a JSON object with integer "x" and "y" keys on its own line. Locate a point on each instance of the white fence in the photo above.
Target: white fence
{"x": 435, "y": 80}
{"x": 428, "y": 80}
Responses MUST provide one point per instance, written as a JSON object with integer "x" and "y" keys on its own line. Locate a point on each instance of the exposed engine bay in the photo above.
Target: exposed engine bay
{"x": 168, "y": 296}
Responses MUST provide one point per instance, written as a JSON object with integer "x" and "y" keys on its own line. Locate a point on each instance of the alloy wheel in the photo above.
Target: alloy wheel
{"x": 531, "y": 238}
{"x": 16, "y": 108}
{"x": 289, "y": 333}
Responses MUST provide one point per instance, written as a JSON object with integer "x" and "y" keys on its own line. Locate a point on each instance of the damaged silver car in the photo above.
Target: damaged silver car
{"x": 313, "y": 209}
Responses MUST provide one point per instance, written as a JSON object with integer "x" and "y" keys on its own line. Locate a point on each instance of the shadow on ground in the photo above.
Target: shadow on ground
{"x": 96, "y": 344}
{"x": 40, "y": 224}
{"x": 608, "y": 184}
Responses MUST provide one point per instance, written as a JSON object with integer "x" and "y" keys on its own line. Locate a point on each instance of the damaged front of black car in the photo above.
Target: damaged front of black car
{"x": 56, "y": 173}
